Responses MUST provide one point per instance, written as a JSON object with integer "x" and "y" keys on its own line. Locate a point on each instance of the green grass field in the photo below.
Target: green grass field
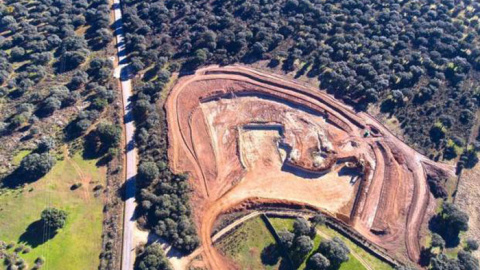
{"x": 246, "y": 243}
{"x": 19, "y": 156}
{"x": 372, "y": 261}
{"x": 244, "y": 246}
{"x": 78, "y": 244}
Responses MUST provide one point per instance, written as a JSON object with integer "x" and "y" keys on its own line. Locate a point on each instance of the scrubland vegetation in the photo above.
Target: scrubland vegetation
{"x": 56, "y": 83}
{"x": 52, "y": 60}
{"x": 417, "y": 61}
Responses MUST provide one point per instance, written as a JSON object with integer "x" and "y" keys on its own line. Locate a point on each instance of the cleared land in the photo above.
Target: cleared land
{"x": 467, "y": 199}
{"x": 78, "y": 244}
{"x": 248, "y": 138}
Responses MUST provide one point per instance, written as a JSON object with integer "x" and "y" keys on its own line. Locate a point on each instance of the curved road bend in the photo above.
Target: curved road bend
{"x": 121, "y": 72}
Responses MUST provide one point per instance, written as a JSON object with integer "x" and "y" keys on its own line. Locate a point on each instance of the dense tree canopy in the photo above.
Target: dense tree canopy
{"x": 286, "y": 238}
{"x": 40, "y": 41}
{"x": 42, "y": 37}
{"x": 46, "y": 144}
{"x": 414, "y": 60}
{"x": 53, "y": 218}
{"x": 152, "y": 258}
{"x": 109, "y": 134}
{"x": 163, "y": 196}
{"x": 471, "y": 245}
{"x": 449, "y": 223}
{"x": 302, "y": 245}
{"x": 147, "y": 172}
{"x": 437, "y": 241}
{"x": 455, "y": 219}
{"x": 467, "y": 261}
{"x": 36, "y": 165}
{"x": 294, "y": 247}
{"x": 318, "y": 262}
{"x": 301, "y": 227}
{"x": 442, "y": 262}
{"x": 334, "y": 250}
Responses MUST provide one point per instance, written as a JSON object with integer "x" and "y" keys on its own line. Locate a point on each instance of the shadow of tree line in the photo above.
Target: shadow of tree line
{"x": 36, "y": 234}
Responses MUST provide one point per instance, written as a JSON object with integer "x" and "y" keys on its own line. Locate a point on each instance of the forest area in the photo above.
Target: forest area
{"x": 59, "y": 124}
{"x": 417, "y": 62}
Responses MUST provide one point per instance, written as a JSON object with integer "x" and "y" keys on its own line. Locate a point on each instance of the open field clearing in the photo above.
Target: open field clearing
{"x": 245, "y": 244}
{"x": 77, "y": 245}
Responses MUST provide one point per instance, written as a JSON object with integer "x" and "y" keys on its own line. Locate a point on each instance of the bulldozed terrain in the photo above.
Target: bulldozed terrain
{"x": 247, "y": 138}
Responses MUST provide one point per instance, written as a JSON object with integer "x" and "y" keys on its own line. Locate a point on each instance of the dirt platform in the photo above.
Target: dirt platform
{"x": 245, "y": 136}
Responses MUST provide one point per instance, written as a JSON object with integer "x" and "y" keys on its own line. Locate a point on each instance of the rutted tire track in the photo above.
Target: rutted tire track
{"x": 189, "y": 151}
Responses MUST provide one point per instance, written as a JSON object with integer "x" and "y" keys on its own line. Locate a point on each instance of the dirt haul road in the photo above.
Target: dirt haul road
{"x": 247, "y": 138}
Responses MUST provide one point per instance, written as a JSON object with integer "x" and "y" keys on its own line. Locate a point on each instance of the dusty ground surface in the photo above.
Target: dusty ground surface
{"x": 467, "y": 200}
{"x": 248, "y": 137}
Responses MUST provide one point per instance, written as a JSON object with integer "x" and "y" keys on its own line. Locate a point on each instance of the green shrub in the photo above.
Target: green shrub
{"x": 53, "y": 218}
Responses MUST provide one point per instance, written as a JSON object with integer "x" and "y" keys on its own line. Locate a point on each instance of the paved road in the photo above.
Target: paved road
{"x": 122, "y": 73}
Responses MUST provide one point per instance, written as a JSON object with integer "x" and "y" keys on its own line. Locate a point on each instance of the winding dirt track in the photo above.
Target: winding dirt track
{"x": 302, "y": 163}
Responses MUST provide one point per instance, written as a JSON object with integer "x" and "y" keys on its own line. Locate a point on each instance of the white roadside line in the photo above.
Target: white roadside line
{"x": 121, "y": 72}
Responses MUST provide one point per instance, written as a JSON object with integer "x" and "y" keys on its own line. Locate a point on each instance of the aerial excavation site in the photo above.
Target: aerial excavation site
{"x": 239, "y": 134}
{"x": 249, "y": 139}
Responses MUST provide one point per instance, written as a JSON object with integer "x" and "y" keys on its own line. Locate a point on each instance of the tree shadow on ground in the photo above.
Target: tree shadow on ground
{"x": 15, "y": 94}
{"x": 425, "y": 257}
{"x": 273, "y": 63}
{"x": 302, "y": 70}
{"x": 187, "y": 68}
{"x": 35, "y": 234}
{"x": 387, "y": 106}
{"x": 150, "y": 74}
{"x": 284, "y": 265}
{"x": 313, "y": 72}
{"x": 451, "y": 237}
{"x": 92, "y": 147}
{"x": 17, "y": 179}
{"x": 72, "y": 131}
{"x": 126, "y": 191}
{"x": 270, "y": 255}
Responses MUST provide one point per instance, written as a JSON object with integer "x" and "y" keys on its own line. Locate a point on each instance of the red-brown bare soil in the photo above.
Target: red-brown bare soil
{"x": 245, "y": 136}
